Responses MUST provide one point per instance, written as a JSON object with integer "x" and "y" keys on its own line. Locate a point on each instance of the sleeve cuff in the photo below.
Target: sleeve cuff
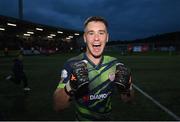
{"x": 61, "y": 85}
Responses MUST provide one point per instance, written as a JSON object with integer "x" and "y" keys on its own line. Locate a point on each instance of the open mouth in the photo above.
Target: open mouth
{"x": 96, "y": 47}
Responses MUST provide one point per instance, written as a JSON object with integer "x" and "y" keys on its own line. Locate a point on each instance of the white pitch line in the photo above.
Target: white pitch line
{"x": 157, "y": 103}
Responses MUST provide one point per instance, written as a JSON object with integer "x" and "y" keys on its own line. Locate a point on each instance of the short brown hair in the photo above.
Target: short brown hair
{"x": 95, "y": 18}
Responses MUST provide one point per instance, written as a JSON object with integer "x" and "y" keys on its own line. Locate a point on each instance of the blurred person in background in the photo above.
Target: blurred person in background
{"x": 6, "y": 51}
{"x": 18, "y": 75}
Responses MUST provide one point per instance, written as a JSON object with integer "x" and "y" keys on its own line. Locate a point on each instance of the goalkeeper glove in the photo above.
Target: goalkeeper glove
{"x": 123, "y": 78}
{"x": 79, "y": 81}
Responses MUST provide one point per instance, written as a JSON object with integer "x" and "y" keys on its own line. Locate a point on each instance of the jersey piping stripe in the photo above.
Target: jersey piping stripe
{"x": 84, "y": 113}
{"x": 106, "y": 68}
{"x": 95, "y": 81}
{"x": 104, "y": 87}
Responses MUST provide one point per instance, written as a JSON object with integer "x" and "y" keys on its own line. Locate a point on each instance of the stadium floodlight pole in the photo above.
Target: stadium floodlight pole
{"x": 20, "y": 9}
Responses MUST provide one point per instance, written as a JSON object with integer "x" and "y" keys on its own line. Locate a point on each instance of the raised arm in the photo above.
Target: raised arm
{"x": 61, "y": 99}
{"x": 123, "y": 81}
{"x": 74, "y": 84}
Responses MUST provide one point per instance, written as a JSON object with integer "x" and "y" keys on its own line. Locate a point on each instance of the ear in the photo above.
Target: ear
{"x": 84, "y": 38}
{"x": 107, "y": 38}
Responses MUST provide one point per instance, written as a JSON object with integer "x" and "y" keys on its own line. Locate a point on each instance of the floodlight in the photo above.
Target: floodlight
{"x": 30, "y": 32}
{"x": 26, "y": 34}
{"x": 11, "y": 24}
{"x": 77, "y": 34}
{"x": 2, "y": 29}
{"x": 59, "y": 32}
{"x": 40, "y": 29}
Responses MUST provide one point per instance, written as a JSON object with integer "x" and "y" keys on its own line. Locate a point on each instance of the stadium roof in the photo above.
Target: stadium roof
{"x": 22, "y": 28}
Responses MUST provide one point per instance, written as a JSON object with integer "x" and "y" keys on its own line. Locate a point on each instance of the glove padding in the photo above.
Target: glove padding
{"x": 123, "y": 78}
{"x": 79, "y": 81}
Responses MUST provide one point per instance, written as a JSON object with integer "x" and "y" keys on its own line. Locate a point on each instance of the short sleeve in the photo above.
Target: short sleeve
{"x": 64, "y": 75}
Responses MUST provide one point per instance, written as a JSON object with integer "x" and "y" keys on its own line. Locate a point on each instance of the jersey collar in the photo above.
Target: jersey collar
{"x": 91, "y": 63}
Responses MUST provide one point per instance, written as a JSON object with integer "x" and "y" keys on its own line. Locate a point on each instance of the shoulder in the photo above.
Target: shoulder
{"x": 66, "y": 70}
{"x": 72, "y": 60}
{"x": 75, "y": 59}
{"x": 113, "y": 59}
{"x": 110, "y": 59}
{"x": 107, "y": 57}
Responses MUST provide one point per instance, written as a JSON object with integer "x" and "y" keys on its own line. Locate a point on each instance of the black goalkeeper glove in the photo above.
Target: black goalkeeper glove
{"x": 79, "y": 81}
{"x": 123, "y": 78}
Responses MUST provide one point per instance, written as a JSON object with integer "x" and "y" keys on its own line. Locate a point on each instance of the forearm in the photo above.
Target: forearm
{"x": 127, "y": 97}
{"x": 74, "y": 84}
{"x": 61, "y": 99}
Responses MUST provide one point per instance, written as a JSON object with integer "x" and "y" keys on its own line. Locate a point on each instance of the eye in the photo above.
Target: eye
{"x": 102, "y": 32}
{"x": 90, "y": 33}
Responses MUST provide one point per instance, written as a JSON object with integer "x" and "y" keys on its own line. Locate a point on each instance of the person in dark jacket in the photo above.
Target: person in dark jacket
{"x": 18, "y": 73}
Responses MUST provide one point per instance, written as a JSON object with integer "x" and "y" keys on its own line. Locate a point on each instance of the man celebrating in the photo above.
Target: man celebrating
{"x": 89, "y": 79}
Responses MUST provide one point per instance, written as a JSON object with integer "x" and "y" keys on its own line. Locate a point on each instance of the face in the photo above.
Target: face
{"x": 95, "y": 37}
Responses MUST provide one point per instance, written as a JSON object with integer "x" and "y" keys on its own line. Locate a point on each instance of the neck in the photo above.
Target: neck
{"x": 95, "y": 60}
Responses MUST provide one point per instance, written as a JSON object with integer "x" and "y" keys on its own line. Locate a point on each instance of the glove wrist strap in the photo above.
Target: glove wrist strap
{"x": 68, "y": 89}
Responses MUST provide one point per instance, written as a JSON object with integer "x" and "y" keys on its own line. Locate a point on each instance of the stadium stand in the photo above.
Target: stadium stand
{"x": 33, "y": 38}
{"x": 168, "y": 42}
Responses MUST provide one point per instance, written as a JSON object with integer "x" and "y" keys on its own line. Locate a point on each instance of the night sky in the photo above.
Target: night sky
{"x": 128, "y": 19}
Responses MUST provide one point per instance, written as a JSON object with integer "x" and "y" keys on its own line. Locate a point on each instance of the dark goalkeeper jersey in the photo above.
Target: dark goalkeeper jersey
{"x": 97, "y": 104}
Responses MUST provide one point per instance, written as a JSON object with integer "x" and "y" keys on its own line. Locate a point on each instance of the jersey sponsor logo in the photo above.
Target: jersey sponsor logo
{"x": 64, "y": 74}
{"x": 99, "y": 96}
{"x": 96, "y": 96}
{"x": 86, "y": 98}
{"x": 111, "y": 76}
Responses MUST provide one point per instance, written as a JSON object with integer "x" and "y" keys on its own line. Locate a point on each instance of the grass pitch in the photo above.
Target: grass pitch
{"x": 157, "y": 75}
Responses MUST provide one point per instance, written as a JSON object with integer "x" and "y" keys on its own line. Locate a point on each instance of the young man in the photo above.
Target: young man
{"x": 19, "y": 75}
{"x": 90, "y": 78}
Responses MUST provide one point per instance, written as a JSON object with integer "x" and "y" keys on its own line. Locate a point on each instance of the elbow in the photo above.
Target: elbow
{"x": 59, "y": 107}
{"x": 56, "y": 108}
{"x": 128, "y": 98}
{"x": 61, "y": 100}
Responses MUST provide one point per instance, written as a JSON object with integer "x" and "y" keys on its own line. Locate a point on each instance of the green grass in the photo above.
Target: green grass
{"x": 157, "y": 75}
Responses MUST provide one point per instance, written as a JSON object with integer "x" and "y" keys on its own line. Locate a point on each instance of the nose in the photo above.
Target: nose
{"x": 96, "y": 37}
